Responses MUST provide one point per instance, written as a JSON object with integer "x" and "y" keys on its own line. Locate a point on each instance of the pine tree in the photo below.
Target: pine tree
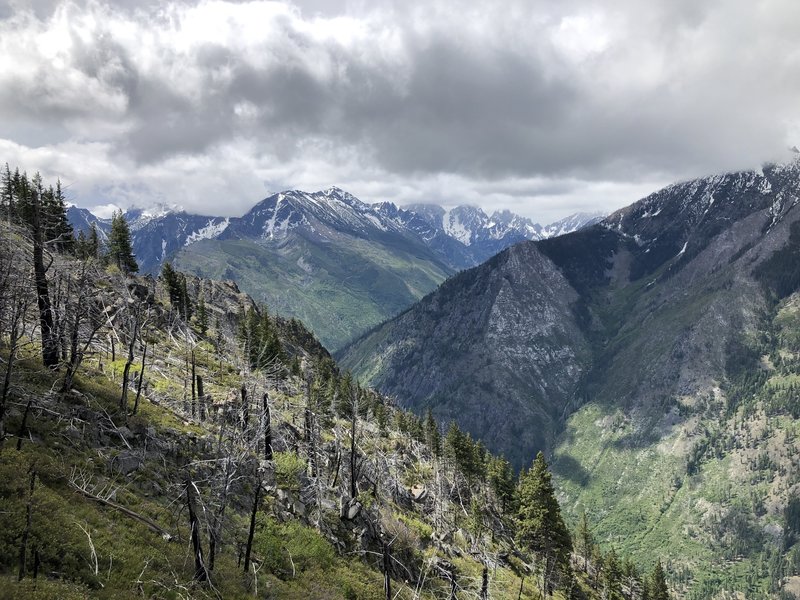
{"x": 501, "y": 478}
{"x": 7, "y": 200}
{"x": 120, "y": 248}
{"x": 658, "y": 583}
{"x": 540, "y": 526}
{"x": 612, "y": 577}
{"x": 432, "y": 436}
{"x": 57, "y": 229}
{"x": 585, "y": 539}
{"x": 93, "y": 243}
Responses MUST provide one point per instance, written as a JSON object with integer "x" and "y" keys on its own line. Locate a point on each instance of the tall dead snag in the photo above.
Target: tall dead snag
{"x": 200, "y": 572}
{"x": 84, "y": 309}
{"x": 245, "y": 409}
{"x": 353, "y": 426}
{"x": 387, "y": 581}
{"x": 252, "y": 530}
{"x": 123, "y": 400}
{"x": 201, "y": 398}
{"x": 267, "y": 429}
{"x": 23, "y": 427}
{"x": 19, "y": 306}
{"x": 194, "y": 386}
{"x": 46, "y": 321}
{"x": 141, "y": 380}
{"x": 23, "y": 545}
{"x": 485, "y": 582}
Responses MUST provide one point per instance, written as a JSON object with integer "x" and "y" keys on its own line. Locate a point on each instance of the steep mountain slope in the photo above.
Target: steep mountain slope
{"x": 668, "y": 291}
{"x": 467, "y": 350}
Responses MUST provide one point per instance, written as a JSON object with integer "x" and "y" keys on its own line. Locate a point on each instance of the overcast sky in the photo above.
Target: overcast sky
{"x": 542, "y": 107}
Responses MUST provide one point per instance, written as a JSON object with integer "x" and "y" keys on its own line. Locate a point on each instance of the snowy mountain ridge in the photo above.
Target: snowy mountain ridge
{"x": 463, "y": 235}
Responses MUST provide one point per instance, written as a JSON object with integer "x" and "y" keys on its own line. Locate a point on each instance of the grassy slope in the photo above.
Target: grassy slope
{"x": 294, "y": 560}
{"x": 339, "y": 289}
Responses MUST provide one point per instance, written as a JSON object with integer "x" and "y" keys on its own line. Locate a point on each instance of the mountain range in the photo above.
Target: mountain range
{"x": 337, "y": 263}
{"x": 654, "y": 356}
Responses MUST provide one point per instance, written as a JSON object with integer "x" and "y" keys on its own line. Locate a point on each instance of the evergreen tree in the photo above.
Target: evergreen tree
{"x": 585, "y": 539}
{"x": 612, "y": 577}
{"x": 175, "y": 283}
{"x": 432, "y": 436}
{"x": 93, "y": 243}
{"x": 7, "y": 200}
{"x": 658, "y": 584}
{"x": 540, "y": 526}
{"x": 120, "y": 248}
{"x": 502, "y": 481}
{"x": 57, "y": 229}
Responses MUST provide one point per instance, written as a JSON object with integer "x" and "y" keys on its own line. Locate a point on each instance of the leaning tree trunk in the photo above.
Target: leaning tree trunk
{"x": 200, "y": 572}
{"x": 141, "y": 380}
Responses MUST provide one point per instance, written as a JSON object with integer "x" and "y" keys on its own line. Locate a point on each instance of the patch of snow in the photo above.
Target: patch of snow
{"x": 454, "y": 228}
{"x": 209, "y": 232}
{"x": 685, "y": 245}
{"x": 375, "y": 221}
{"x": 304, "y": 265}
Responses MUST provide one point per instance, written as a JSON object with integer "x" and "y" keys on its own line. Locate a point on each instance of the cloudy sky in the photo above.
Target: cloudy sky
{"x": 542, "y": 107}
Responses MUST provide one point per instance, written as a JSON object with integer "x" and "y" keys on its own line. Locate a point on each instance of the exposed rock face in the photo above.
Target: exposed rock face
{"x": 497, "y": 349}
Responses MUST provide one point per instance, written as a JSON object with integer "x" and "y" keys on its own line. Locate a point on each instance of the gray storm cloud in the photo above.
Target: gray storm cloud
{"x": 540, "y": 108}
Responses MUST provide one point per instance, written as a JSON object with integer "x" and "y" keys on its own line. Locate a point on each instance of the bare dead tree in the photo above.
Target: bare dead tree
{"x": 200, "y": 571}
{"x": 49, "y": 341}
{"x": 141, "y": 379}
{"x": 19, "y": 306}
{"x": 252, "y": 530}
{"x": 387, "y": 580}
{"x": 134, "y": 336}
{"x": 353, "y": 433}
{"x": 87, "y": 320}
{"x": 267, "y": 417}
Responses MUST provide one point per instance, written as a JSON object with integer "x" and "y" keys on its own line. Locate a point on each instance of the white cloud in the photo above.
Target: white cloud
{"x": 541, "y": 107}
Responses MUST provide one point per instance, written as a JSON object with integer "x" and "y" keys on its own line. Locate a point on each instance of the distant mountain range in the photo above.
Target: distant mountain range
{"x": 337, "y": 263}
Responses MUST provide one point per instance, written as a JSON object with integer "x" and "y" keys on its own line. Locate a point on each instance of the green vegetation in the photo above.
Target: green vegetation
{"x": 335, "y": 288}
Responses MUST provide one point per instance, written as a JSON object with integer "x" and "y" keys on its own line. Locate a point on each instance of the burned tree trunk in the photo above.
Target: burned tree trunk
{"x": 485, "y": 583}
{"x": 49, "y": 341}
{"x": 353, "y": 426}
{"x": 200, "y": 572}
{"x": 24, "y": 425}
{"x": 252, "y": 531}
{"x": 245, "y": 409}
{"x": 267, "y": 429}
{"x": 14, "y": 336}
{"x": 123, "y": 399}
{"x": 194, "y": 386}
{"x": 141, "y": 380}
{"x": 201, "y": 398}
{"x": 387, "y": 581}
